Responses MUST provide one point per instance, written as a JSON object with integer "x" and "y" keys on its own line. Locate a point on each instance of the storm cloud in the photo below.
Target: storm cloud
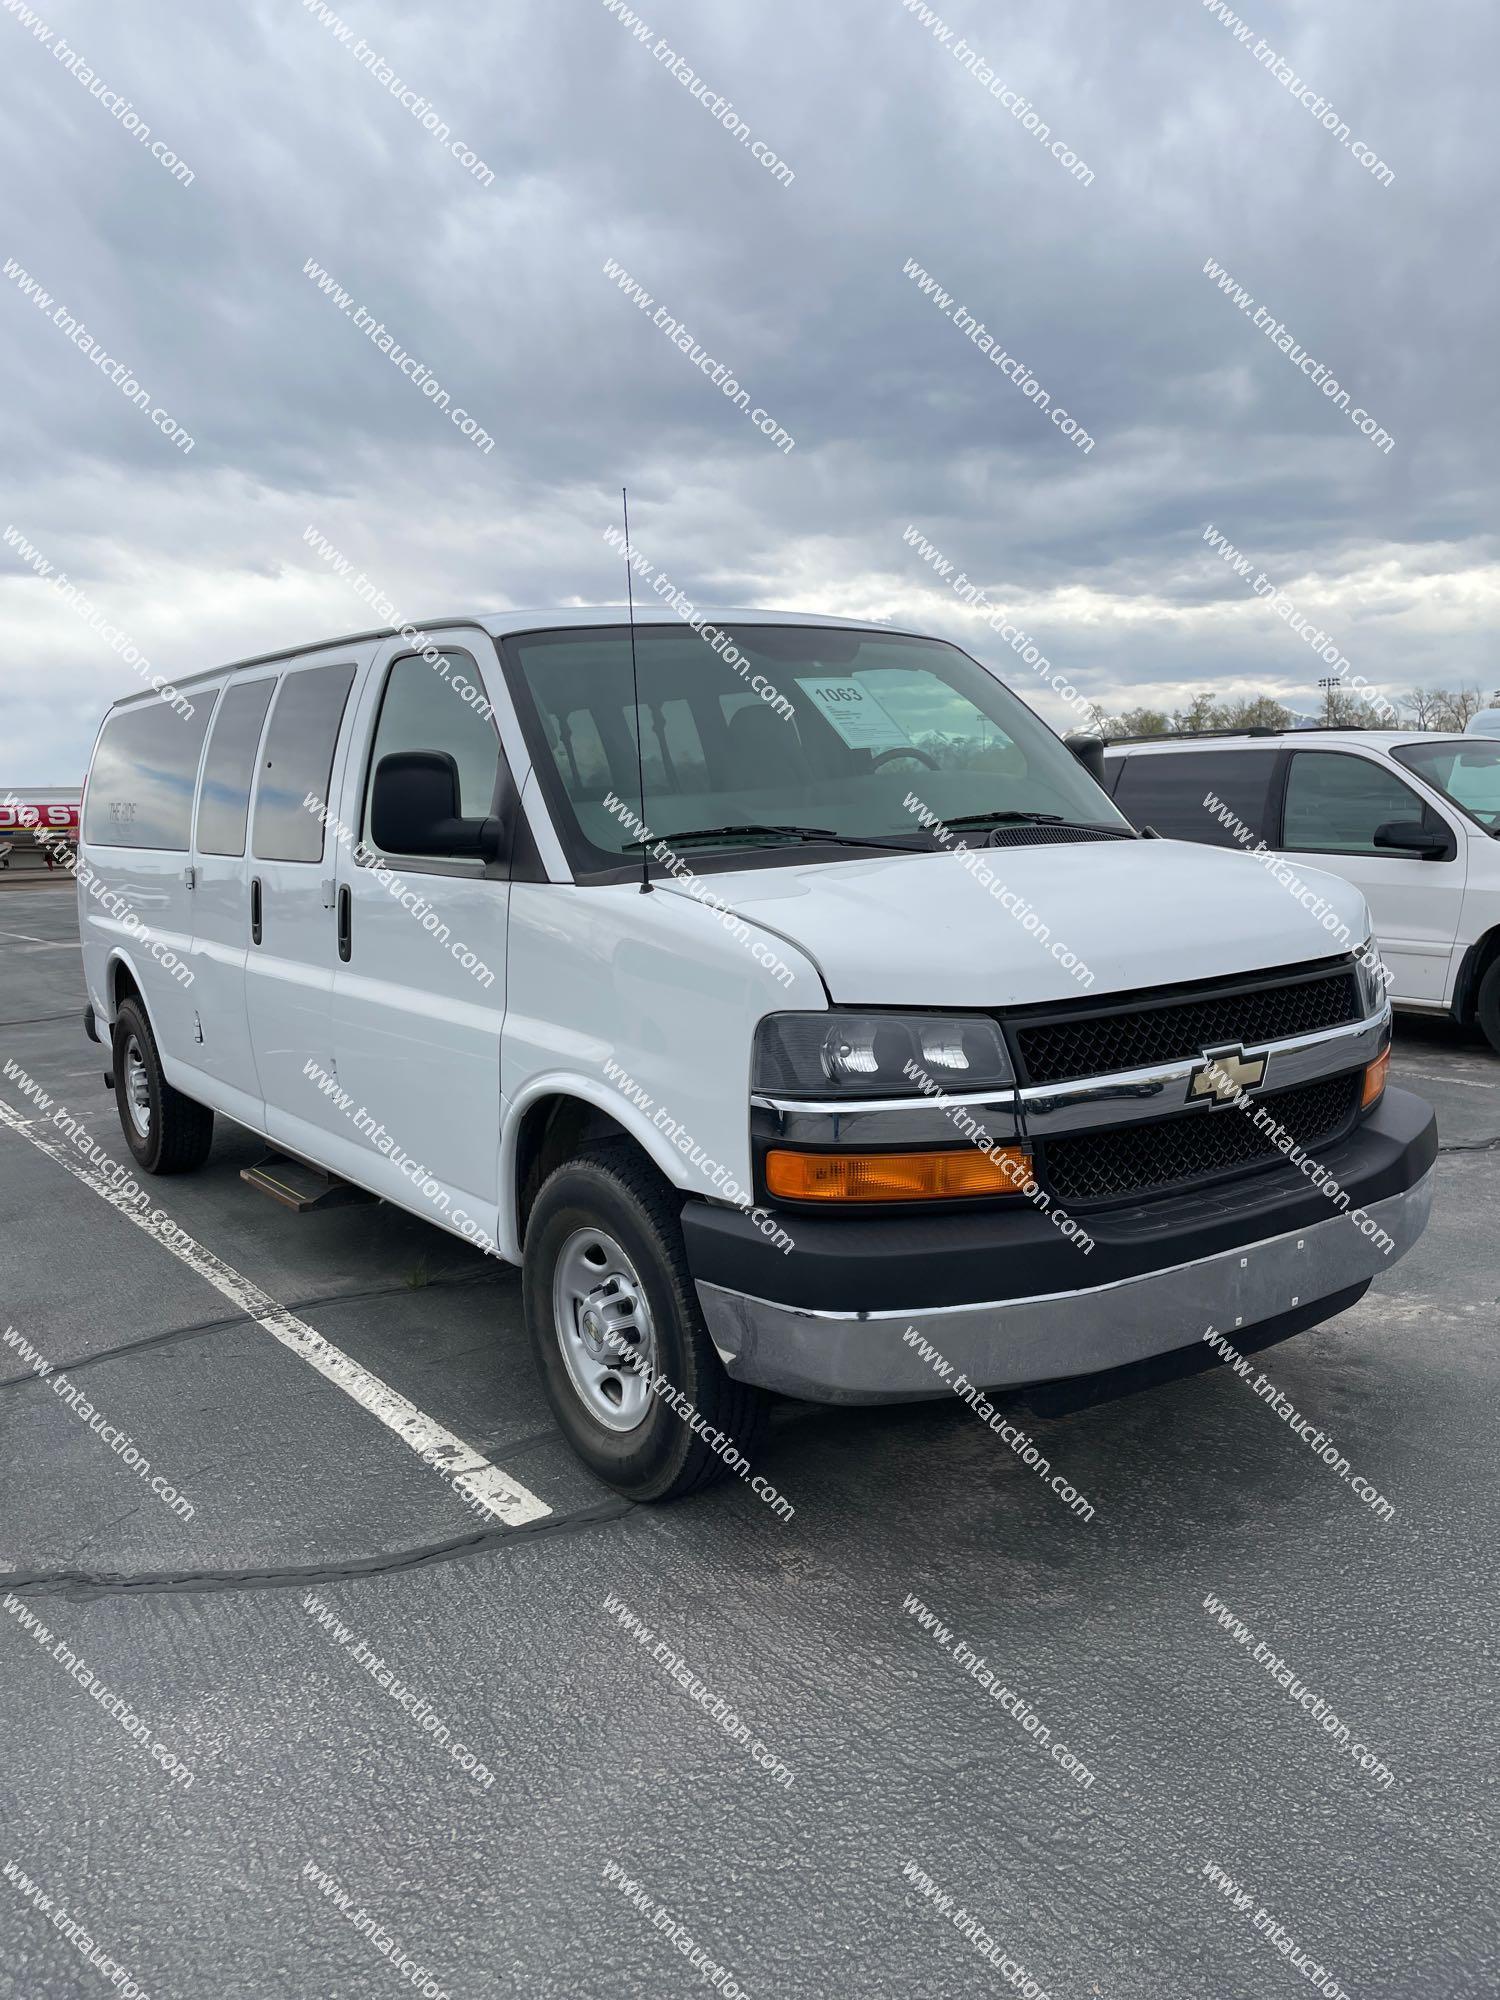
{"x": 462, "y": 178}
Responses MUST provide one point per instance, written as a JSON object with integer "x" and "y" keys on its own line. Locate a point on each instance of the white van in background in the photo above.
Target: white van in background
{"x": 780, "y": 994}
{"x": 1411, "y": 818}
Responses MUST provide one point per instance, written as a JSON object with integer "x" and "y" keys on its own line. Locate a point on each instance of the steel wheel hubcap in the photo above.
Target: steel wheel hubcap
{"x": 604, "y": 1328}
{"x": 137, "y": 1089}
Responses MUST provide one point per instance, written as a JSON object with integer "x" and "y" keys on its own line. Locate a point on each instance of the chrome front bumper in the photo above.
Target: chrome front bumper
{"x": 834, "y": 1357}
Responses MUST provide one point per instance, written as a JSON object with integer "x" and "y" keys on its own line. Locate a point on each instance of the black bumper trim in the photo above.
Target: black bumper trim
{"x": 852, "y": 1264}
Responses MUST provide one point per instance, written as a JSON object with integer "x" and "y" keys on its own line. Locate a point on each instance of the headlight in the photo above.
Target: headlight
{"x": 1370, "y": 978}
{"x": 878, "y": 1055}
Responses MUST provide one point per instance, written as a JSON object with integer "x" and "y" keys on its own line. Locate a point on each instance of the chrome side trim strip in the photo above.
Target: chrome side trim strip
{"x": 763, "y": 1103}
{"x": 901, "y": 1121}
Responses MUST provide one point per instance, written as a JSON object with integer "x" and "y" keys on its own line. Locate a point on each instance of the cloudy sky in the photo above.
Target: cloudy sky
{"x": 598, "y": 152}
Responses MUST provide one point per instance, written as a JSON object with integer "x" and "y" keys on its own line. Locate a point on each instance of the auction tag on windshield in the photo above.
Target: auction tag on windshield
{"x": 855, "y": 713}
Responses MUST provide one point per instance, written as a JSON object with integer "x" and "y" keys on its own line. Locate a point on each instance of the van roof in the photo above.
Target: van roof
{"x": 499, "y": 624}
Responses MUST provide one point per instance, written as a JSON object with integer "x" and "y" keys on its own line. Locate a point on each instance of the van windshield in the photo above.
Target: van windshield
{"x": 760, "y": 736}
{"x": 1464, "y": 769}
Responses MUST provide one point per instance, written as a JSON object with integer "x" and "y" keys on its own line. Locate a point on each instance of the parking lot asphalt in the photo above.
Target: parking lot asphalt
{"x": 287, "y": 1647}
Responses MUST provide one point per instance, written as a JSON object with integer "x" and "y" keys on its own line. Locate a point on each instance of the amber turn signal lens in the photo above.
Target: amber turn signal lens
{"x": 1375, "y": 1077}
{"x": 947, "y": 1176}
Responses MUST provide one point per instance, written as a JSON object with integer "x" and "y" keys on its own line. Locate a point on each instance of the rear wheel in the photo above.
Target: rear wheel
{"x": 616, "y": 1328}
{"x": 1487, "y": 1006}
{"x": 167, "y": 1132}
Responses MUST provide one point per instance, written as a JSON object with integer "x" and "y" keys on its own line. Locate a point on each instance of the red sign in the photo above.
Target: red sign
{"x": 30, "y": 817}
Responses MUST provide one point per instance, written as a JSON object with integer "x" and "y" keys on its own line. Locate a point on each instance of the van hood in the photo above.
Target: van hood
{"x": 923, "y": 930}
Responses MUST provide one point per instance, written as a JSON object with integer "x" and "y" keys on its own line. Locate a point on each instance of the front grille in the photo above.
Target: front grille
{"x": 1098, "y": 1042}
{"x": 1195, "y": 1146}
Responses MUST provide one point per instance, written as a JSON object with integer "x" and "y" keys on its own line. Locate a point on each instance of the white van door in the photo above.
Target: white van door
{"x": 290, "y": 874}
{"x": 1334, "y": 801}
{"x": 419, "y": 992}
{"x": 222, "y": 1049}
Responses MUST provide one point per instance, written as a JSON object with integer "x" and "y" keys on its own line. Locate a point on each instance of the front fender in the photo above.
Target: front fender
{"x": 588, "y": 1090}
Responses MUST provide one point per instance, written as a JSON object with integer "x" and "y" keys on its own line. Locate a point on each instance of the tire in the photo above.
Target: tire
{"x": 1487, "y": 1006}
{"x": 611, "y": 1200}
{"x": 165, "y": 1131}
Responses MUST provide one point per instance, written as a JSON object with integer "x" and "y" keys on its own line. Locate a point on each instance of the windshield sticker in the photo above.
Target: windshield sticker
{"x": 855, "y": 713}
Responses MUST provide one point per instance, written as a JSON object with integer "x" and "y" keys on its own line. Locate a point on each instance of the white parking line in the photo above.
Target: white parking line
{"x": 1442, "y": 1076}
{"x": 467, "y": 1469}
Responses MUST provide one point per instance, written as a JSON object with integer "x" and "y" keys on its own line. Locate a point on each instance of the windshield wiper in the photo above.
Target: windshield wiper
{"x": 1041, "y": 819}
{"x": 763, "y": 831}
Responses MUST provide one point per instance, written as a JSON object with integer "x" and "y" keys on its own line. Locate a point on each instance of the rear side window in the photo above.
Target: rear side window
{"x": 297, "y": 762}
{"x": 224, "y": 796}
{"x": 140, "y": 789}
{"x": 1199, "y": 795}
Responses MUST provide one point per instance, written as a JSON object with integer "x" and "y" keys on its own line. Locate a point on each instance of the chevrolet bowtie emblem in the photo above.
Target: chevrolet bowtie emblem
{"x": 1224, "y": 1071}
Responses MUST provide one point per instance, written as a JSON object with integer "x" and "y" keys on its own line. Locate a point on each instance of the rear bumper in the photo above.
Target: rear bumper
{"x": 1007, "y": 1301}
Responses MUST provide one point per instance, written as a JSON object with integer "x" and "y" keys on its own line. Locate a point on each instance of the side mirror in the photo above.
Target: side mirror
{"x": 1089, "y": 750}
{"x": 414, "y": 809}
{"x": 1410, "y": 836}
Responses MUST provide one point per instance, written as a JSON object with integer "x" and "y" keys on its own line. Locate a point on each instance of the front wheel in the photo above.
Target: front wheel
{"x": 626, "y": 1360}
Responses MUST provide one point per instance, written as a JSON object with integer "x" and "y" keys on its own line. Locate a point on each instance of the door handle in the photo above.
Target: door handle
{"x": 346, "y": 923}
{"x": 255, "y": 910}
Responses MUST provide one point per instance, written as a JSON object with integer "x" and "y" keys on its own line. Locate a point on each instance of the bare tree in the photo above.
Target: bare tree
{"x": 1203, "y": 714}
{"x": 1260, "y": 711}
{"x": 1456, "y": 707}
{"x": 1135, "y": 722}
{"x": 1423, "y": 704}
{"x": 1345, "y": 710}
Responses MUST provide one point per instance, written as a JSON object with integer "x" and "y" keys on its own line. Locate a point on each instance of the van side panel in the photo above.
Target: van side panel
{"x": 135, "y": 904}
{"x": 419, "y": 993}
{"x": 223, "y": 1058}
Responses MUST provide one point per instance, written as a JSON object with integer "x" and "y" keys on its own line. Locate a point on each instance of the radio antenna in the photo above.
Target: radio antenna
{"x": 635, "y": 689}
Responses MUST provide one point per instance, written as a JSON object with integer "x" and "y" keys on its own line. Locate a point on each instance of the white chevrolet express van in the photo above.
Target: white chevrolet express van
{"x": 878, "y": 1034}
{"x": 1412, "y": 819}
